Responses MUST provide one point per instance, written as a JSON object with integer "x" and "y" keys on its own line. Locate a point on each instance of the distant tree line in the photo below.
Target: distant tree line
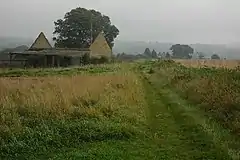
{"x": 179, "y": 51}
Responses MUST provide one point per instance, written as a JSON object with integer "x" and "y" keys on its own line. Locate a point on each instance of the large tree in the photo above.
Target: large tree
{"x": 182, "y": 51}
{"x": 74, "y": 30}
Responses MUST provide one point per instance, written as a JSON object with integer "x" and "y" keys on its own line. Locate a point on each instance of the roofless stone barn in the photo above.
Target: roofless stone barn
{"x": 42, "y": 54}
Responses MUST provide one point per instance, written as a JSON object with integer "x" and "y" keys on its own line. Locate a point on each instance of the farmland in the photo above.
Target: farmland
{"x": 140, "y": 110}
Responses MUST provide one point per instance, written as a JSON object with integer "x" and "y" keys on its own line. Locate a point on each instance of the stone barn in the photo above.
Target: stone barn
{"x": 42, "y": 54}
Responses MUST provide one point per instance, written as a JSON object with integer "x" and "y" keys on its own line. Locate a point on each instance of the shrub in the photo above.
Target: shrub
{"x": 86, "y": 59}
{"x": 151, "y": 71}
{"x": 215, "y": 56}
{"x": 101, "y": 60}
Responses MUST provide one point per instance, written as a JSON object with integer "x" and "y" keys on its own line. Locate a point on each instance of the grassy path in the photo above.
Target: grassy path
{"x": 180, "y": 132}
{"x": 169, "y": 129}
{"x": 175, "y": 131}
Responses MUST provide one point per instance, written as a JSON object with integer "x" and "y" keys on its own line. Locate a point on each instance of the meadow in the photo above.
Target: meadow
{"x": 197, "y": 63}
{"x": 58, "y": 108}
{"x": 140, "y": 110}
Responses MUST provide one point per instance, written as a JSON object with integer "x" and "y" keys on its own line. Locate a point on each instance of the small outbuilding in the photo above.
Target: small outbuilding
{"x": 42, "y": 54}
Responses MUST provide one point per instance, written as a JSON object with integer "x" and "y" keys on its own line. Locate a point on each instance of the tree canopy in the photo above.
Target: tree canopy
{"x": 74, "y": 30}
{"x": 147, "y": 52}
{"x": 215, "y": 56}
{"x": 182, "y": 51}
{"x": 154, "y": 54}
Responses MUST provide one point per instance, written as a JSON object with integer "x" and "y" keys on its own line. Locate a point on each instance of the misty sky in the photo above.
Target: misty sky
{"x": 177, "y": 21}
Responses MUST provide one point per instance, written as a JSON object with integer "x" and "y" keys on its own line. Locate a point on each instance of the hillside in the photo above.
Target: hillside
{"x": 16, "y": 49}
{"x": 12, "y": 42}
{"x": 132, "y": 47}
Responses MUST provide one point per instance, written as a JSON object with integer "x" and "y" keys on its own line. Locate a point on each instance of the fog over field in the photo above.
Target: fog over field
{"x": 165, "y": 21}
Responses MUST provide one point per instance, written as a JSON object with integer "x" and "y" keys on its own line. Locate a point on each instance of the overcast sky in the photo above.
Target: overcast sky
{"x": 177, "y": 21}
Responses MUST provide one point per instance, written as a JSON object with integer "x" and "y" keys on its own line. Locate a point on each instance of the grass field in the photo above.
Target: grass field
{"x": 141, "y": 110}
{"x": 210, "y": 63}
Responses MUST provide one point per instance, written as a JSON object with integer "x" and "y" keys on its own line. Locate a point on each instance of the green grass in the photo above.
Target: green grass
{"x": 47, "y": 137}
{"x": 192, "y": 115}
{"x": 54, "y": 117}
{"x": 214, "y": 90}
{"x": 58, "y": 71}
{"x": 153, "y": 115}
{"x": 175, "y": 127}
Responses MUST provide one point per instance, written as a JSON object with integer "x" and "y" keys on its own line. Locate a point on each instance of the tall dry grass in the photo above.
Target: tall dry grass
{"x": 215, "y": 90}
{"x": 76, "y": 97}
{"x": 209, "y": 63}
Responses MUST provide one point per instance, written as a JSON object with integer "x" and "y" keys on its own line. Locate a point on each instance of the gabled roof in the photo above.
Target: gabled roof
{"x": 100, "y": 39}
{"x": 100, "y": 36}
{"x": 41, "y": 43}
